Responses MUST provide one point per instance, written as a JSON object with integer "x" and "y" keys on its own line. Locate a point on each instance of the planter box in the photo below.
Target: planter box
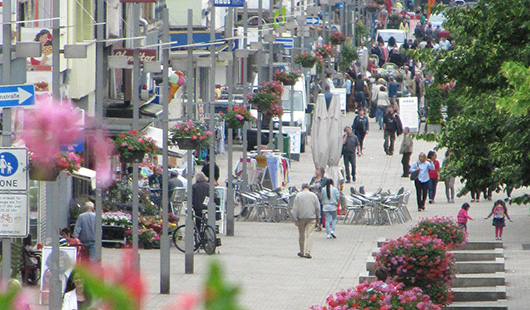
{"x": 186, "y": 143}
{"x": 135, "y": 157}
{"x": 434, "y": 128}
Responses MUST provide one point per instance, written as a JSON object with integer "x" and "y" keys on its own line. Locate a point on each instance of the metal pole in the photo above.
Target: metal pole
{"x": 211, "y": 105}
{"x": 164, "y": 240}
{"x": 100, "y": 86}
{"x": 291, "y": 94}
{"x": 230, "y": 191}
{"x": 260, "y": 77}
{"x": 55, "y": 283}
{"x": 188, "y": 256}
{"x": 136, "y": 124}
{"x": 6, "y": 121}
{"x": 245, "y": 97}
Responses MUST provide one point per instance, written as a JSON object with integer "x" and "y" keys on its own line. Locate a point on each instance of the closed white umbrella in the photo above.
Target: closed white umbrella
{"x": 334, "y": 141}
{"x": 319, "y": 133}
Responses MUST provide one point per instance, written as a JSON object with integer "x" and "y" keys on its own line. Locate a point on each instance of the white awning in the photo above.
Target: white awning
{"x": 87, "y": 175}
{"x": 157, "y": 134}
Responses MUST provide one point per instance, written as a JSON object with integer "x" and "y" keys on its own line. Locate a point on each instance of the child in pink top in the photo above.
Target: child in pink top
{"x": 463, "y": 216}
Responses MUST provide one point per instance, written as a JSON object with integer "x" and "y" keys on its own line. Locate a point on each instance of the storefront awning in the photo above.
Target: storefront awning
{"x": 157, "y": 135}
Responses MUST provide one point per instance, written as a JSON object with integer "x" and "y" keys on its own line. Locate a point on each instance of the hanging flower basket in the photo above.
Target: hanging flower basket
{"x": 189, "y": 135}
{"x": 43, "y": 174}
{"x": 287, "y": 78}
{"x": 132, "y": 157}
{"x": 132, "y": 146}
{"x": 236, "y": 116}
{"x": 186, "y": 143}
{"x": 307, "y": 60}
{"x": 308, "y": 64}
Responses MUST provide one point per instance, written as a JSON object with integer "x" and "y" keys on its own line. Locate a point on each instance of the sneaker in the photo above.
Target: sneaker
{"x": 452, "y": 201}
{"x": 329, "y": 237}
{"x": 333, "y": 235}
{"x": 300, "y": 254}
{"x": 430, "y": 201}
{"x": 318, "y": 228}
{"x": 308, "y": 256}
{"x": 348, "y": 181}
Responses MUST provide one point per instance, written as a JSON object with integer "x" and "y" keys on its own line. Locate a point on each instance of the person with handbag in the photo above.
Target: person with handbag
{"x": 420, "y": 174}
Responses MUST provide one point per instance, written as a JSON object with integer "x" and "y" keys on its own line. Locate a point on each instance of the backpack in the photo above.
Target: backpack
{"x": 498, "y": 212}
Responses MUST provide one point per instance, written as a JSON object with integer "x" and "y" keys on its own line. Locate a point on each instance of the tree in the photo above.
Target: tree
{"x": 489, "y": 135}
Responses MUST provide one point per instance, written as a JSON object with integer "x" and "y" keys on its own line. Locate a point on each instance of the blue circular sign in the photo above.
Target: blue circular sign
{"x": 8, "y": 164}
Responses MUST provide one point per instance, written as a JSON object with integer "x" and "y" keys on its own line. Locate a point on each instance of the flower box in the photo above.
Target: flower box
{"x": 43, "y": 174}
{"x": 189, "y": 135}
{"x": 133, "y": 157}
{"x": 308, "y": 64}
{"x": 186, "y": 143}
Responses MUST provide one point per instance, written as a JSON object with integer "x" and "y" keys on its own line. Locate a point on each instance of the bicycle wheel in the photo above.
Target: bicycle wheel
{"x": 209, "y": 240}
{"x": 179, "y": 238}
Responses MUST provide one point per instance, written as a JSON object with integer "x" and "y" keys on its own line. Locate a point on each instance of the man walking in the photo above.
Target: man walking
{"x": 391, "y": 126}
{"x": 85, "y": 229}
{"x": 406, "y": 150}
{"x": 350, "y": 146}
{"x": 306, "y": 211}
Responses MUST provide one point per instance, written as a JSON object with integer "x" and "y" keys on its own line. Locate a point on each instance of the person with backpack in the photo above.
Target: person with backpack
{"x": 361, "y": 126}
{"x": 500, "y": 213}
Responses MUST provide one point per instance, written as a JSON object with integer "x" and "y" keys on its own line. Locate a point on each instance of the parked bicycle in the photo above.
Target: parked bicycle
{"x": 204, "y": 237}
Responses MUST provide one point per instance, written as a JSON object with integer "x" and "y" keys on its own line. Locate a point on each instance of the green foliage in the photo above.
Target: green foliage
{"x": 486, "y": 126}
{"x": 518, "y": 102}
{"x": 361, "y": 31}
{"x": 219, "y": 295}
{"x": 434, "y": 100}
{"x": 348, "y": 54}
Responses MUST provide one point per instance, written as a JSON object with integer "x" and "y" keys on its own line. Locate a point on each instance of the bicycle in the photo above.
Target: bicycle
{"x": 204, "y": 237}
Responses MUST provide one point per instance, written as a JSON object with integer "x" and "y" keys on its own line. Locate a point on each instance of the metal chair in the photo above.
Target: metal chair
{"x": 177, "y": 199}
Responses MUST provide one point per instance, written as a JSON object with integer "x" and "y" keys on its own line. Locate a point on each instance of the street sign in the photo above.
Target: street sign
{"x": 288, "y": 43}
{"x": 13, "y": 166}
{"x": 295, "y": 133}
{"x": 14, "y": 215}
{"x": 17, "y": 95}
{"x": 229, "y": 3}
{"x": 408, "y": 112}
{"x": 312, "y": 20}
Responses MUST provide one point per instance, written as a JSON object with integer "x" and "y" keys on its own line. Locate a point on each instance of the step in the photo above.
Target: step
{"x": 370, "y": 264}
{"x": 470, "y": 245}
{"x": 481, "y": 245}
{"x": 477, "y": 255}
{"x": 365, "y": 275}
{"x": 479, "y": 293}
{"x": 479, "y": 279}
{"x": 479, "y": 305}
{"x": 480, "y": 266}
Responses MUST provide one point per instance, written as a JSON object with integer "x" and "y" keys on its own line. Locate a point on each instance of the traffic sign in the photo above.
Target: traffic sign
{"x": 14, "y": 215}
{"x": 17, "y": 95}
{"x": 229, "y": 3}
{"x": 13, "y": 166}
{"x": 312, "y": 20}
{"x": 288, "y": 43}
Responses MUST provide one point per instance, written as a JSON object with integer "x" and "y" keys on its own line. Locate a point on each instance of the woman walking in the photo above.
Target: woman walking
{"x": 330, "y": 198}
{"x": 433, "y": 175}
{"x": 315, "y": 185}
{"x": 423, "y": 165}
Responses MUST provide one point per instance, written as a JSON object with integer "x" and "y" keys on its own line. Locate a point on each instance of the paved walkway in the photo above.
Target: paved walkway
{"x": 262, "y": 259}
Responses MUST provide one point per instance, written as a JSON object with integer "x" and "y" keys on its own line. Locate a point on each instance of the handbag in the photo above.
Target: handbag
{"x": 414, "y": 175}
